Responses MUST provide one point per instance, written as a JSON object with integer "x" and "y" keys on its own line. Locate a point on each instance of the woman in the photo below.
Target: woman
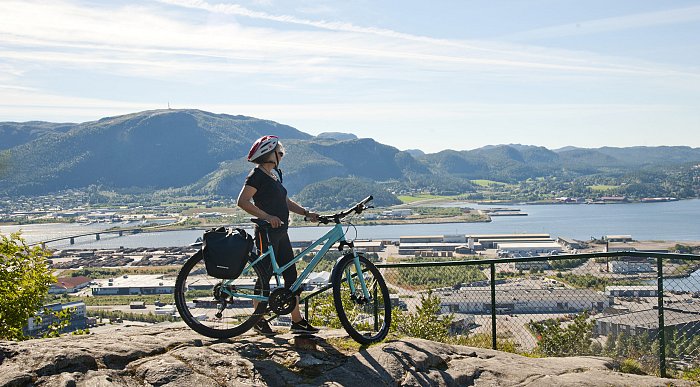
{"x": 264, "y": 197}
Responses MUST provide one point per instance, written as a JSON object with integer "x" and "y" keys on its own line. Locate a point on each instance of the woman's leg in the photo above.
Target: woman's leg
{"x": 285, "y": 254}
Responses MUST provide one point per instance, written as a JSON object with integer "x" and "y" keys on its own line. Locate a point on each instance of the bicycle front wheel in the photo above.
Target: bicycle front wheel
{"x": 206, "y": 304}
{"x": 366, "y": 320}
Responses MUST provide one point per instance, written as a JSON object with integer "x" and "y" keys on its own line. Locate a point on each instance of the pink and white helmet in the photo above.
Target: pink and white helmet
{"x": 262, "y": 146}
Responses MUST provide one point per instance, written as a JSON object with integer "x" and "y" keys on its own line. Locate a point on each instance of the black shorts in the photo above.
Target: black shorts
{"x": 283, "y": 254}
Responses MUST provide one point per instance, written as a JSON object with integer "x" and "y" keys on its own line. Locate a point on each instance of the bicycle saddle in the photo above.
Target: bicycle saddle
{"x": 263, "y": 224}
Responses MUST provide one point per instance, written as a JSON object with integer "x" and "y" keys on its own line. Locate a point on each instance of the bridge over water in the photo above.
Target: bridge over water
{"x": 97, "y": 234}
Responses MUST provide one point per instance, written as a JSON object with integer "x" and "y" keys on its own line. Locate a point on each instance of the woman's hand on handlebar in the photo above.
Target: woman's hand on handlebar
{"x": 311, "y": 217}
{"x": 274, "y": 221}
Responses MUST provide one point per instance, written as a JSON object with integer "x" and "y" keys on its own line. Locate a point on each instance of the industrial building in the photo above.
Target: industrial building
{"x": 631, "y": 291}
{"x": 647, "y": 322}
{"x": 488, "y": 241}
{"x": 517, "y": 244}
{"x": 571, "y": 244}
{"x": 529, "y": 248}
{"x": 369, "y": 246}
{"x": 531, "y": 265}
{"x": 519, "y": 301}
{"x": 363, "y": 245}
{"x": 415, "y": 245}
{"x": 617, "y": 238}
{"x": 134, "y": 284}
{"x": 628, "y": 267}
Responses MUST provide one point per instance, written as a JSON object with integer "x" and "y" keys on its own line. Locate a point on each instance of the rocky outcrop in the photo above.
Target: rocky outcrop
{"x": 173, "y": 355}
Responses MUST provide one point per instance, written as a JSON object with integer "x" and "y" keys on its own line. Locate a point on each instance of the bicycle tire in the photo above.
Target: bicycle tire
{"x": 197, "y": 304}
{"x": 365, "y": 322}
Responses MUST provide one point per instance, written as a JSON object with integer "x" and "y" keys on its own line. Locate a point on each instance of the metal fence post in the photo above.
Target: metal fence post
{"x": 306, "y": 309}
{"x": 376, "y": 309}
{"x": 493, "y": 306}
{"x": 662, "y": 330}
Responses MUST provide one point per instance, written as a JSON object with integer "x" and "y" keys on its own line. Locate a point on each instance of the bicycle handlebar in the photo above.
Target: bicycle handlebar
{"x": 357, "y": 208}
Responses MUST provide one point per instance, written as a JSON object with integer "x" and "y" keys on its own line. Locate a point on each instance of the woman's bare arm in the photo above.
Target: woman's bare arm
{"x": 245, "y": 202}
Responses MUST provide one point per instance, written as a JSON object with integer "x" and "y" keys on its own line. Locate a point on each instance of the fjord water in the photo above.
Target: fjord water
{"x": 675, "y": 221}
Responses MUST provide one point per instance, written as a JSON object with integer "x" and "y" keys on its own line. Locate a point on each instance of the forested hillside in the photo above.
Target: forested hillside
{"x": 192, "y": 152}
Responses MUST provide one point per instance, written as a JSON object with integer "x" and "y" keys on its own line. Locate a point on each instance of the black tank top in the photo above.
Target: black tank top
{"x": 271, "y": 196}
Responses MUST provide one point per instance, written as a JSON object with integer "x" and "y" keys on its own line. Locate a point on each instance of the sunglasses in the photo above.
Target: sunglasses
{"x": 280, "y": 153}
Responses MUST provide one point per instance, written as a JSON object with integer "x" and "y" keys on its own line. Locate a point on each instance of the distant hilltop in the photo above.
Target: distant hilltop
{"x": 337, "y": 136}
{"x": 194, "y": 152}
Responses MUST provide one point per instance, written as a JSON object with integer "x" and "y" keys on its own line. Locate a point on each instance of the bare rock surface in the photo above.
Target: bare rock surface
{"x": 173, "y": 355}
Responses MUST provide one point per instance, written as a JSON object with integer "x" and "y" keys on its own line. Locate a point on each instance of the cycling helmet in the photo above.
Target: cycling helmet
{"x": 262, "y": 146}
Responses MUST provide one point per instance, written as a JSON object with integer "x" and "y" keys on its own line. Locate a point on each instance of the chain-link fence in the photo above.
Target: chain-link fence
{"x": 612, "y": 304}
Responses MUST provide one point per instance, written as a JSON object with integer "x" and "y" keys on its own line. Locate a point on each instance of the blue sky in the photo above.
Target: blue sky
{"x": 412, "y": 74}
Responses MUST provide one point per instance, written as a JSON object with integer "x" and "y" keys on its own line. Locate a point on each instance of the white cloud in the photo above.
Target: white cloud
{"x": 316, "y": 75}
{"x": 619, "y": 23}
{"x": 144, "y": 41}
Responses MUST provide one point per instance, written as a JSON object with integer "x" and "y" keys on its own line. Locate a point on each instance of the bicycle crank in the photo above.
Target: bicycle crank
{"x": 282, "y": 301}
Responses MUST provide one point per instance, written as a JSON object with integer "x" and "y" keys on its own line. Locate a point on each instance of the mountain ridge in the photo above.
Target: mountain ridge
{"x": 191, "y": 151}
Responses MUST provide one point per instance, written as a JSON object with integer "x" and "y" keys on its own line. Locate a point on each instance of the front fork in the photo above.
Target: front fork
{"x": 358, "y": 268}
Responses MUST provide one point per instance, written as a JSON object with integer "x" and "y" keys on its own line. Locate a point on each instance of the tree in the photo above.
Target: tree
{"x": 424, "y": 322}
{"x": 555, "y": 339}
{"x": 24, "y": 283}
{"x": 4, "y": 157}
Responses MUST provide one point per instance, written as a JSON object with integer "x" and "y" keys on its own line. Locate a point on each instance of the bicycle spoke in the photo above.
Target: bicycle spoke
{"x": 208, "y": 305}
{"x": 365, "y": 318}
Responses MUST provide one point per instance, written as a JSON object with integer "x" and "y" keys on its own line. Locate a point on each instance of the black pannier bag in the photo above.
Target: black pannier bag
{"x": 226, "y": 251}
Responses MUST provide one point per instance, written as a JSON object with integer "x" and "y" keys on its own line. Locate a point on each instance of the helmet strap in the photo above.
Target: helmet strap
{"x": 279, "y": 172}
{"x": 276, "y": 167}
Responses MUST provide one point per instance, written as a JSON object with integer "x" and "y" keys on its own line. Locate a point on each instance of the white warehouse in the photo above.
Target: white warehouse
{"x": 530, "y": 247}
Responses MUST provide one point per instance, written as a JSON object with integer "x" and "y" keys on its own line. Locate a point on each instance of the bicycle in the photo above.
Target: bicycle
{"x": 225, "y": 308}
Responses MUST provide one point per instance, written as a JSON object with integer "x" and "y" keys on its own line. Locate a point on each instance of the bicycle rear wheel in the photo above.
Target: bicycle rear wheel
{"x": 205, "y": 305}
{"x": 366, "y": 320}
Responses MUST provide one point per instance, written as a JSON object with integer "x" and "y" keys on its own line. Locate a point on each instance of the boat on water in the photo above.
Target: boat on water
{"x": 501, "y": 211}
{"x": 655, "y": 200}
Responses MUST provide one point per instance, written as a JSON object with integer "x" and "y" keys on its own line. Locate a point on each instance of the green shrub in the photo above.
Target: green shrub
{"x": 631, "y": 366}
{"x": 24, "y": 283}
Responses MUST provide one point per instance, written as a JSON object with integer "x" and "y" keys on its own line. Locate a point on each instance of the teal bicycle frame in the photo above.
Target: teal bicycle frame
{"x": 334, "y": 235}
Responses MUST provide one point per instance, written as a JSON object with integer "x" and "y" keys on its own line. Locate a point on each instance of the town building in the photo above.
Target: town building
{"x": 69, "y": 284}
{"x": 613, "y": 199}
{"x": 134, "y": 284}
{"x": 38, "y": 325}
{"x": 398, "y": 213}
